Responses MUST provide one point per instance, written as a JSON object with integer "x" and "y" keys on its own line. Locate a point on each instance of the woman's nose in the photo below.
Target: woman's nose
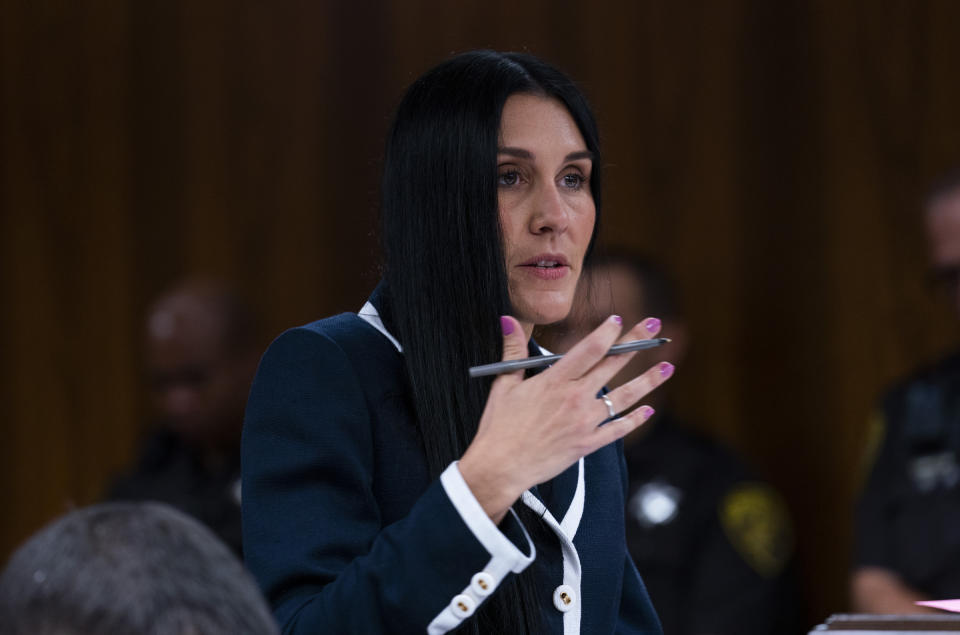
{"x": 550, "y": 213}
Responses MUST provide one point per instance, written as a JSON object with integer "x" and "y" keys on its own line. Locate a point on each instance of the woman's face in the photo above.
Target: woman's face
{"x": 546, "y": 206}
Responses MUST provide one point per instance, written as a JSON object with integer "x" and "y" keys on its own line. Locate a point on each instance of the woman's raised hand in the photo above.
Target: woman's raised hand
{"x": 533, "y": 429}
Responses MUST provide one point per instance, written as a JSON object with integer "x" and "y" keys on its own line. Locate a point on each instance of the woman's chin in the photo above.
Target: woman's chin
{"x": 543, "y": 315}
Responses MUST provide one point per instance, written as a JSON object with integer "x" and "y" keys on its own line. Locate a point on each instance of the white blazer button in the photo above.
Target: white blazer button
{"x": 463, "y": 606}
{"x": 564, "y": 598}
{"x": 482, "y": 584}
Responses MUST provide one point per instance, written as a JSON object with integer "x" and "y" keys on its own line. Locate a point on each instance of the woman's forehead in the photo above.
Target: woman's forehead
{"x": 530, "y": 122}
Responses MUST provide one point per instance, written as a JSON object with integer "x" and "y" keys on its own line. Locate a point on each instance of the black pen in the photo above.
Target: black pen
{"x": 498, "y": 368}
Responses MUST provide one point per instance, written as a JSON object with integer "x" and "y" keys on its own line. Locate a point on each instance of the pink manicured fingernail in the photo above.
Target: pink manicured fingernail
{"x": 652, "y": 325}
{"x": 646, "y": 412}
{"x": 506, "y": 325}
{"x": 666, "y": 369}
{"x": 617, "y": 319}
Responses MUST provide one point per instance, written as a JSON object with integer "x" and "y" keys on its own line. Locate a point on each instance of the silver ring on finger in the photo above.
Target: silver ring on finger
{"x": 610, "y": 408}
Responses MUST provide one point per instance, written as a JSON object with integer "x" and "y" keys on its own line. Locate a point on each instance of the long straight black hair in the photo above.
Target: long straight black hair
{"x": 446, "y": 283}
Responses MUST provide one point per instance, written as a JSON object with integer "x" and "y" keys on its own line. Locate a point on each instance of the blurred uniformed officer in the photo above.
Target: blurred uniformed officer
{"x": 908, "y": 517}
{"x": 201, "y": 351}
{"x": 713, "y": 543}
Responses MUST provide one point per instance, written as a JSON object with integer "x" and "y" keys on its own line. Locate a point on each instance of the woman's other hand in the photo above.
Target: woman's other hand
{"x": 533, "y": 429}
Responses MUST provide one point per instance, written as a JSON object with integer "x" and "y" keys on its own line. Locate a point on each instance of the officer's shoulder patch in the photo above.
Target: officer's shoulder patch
{"x": 757, "y": 524}
{"x": 873, "y": 441}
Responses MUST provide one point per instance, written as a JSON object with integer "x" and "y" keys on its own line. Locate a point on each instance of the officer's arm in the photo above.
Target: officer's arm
{"x": 875, "y": 587}
{"x": 879, "y": 590}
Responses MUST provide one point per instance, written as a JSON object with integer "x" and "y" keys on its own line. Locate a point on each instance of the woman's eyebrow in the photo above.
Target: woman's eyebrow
{"x": 516, "y": 152}
{"x": 526, "y": 154}
{"x": 582, "y": 154}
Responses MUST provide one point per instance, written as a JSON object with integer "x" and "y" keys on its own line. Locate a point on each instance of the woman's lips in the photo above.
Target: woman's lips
{"x": 552, "y": 270}
{"x": 546, "y": 259}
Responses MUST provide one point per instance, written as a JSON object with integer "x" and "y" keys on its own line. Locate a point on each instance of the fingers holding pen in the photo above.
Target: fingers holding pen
{"x": 514, "y": 347}
{"x": 584, "y": 356}
{"x": 605, "y": 370}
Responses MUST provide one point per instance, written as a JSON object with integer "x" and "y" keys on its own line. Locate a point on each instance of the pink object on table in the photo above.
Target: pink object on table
{"x": 945, "y": 605}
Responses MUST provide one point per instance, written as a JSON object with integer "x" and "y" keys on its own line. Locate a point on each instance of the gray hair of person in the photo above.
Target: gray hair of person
{"x": 130, "y": 568}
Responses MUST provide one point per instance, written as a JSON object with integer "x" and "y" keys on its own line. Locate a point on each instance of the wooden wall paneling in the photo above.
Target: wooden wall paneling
{"x": 285, "y": 83}
{"x": 100, "y": 318}
{"x": 850, "y": 194}
{"x": 782, "y": 293}
{"x": 33, "y": 336}
{"x": 60, "y": 309}
{"x": 156, "y": 141}
{"x": 207, "y": 112}
{"x": 359, "y": 112}
{"x": 707, "y": 250}
{"x": 936, "y": 104}
{"x": 282, "y": 84}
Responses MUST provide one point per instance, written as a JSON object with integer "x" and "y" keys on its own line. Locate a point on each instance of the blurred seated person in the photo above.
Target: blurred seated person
{"x": 131, "y": 569}
{"x": 712, "y": 543}
{"x": 201, "y": 352}
{"x": 908, "y": 515}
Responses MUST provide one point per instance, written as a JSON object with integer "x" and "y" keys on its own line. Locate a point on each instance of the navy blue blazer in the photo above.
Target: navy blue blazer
{"x": 346, "y": 532}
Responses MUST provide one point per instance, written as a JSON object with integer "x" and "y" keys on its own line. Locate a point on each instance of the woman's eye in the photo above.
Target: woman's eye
{"x": 510, "y": 177}
{"x": 573, "y": 181}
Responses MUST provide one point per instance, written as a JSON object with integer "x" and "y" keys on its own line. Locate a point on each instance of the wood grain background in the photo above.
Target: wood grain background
{"x": 772, "y": 154}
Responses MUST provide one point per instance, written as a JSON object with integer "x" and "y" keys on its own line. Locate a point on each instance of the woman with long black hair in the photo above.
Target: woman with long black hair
{"x": 384, "y": 491}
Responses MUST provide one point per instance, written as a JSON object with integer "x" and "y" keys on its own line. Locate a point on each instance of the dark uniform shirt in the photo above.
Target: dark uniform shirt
{"x": 908, "y": 518}
{"x": 170, "y": 472}
{"x": 713, "y": 544}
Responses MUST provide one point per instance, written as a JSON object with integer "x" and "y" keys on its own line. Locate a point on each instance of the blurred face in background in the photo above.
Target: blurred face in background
{"x": 198, "y": 383}
{"x": 943, "y": 235}
{"x": 546, "y": 207}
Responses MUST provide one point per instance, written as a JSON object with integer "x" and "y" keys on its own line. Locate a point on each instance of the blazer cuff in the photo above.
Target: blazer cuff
{"x": 505, "y": 555}
{"x": 502, "y": 550}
